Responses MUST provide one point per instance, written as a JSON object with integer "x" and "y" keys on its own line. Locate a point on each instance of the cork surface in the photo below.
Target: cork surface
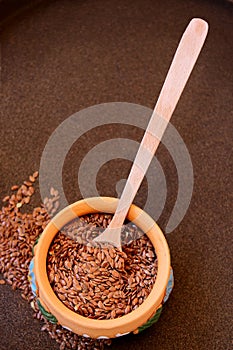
{"x": 59, "y": 57}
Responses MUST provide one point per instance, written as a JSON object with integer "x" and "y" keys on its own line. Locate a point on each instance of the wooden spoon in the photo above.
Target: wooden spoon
{"x": 183, "y": 62}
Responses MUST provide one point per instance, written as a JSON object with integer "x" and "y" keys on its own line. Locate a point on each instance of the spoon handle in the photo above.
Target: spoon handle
{"x": 181, "y": 67}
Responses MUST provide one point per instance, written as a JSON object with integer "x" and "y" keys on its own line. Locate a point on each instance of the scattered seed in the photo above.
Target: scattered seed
{"x": 18, "y": 233}
{"x": 32, "y": 178}
{"x": 5, "y": 199}
{"x": 35, "y": 174}
{"x": 27, "y": 200}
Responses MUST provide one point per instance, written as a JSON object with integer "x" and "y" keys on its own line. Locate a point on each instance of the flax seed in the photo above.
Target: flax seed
{"x": 17, "y": 236}
{"x": 104, "y": 275}
{"x": 5, "y": 199}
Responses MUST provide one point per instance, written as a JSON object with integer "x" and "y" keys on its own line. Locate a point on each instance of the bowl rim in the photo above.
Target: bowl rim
{"x": 73, "y": 320}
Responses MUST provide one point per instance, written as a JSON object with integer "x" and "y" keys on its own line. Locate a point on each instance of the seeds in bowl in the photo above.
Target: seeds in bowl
{"x": 101, "y": 283}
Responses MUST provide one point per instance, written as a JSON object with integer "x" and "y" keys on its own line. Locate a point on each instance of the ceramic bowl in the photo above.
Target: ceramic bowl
{"x": 137, "y": 320}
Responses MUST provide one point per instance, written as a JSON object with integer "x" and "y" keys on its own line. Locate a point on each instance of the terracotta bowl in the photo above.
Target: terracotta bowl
{"x": 55, "y": 311}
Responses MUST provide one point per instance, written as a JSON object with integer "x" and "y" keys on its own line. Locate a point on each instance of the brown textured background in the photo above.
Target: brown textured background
{"x": 58, "y": 57}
